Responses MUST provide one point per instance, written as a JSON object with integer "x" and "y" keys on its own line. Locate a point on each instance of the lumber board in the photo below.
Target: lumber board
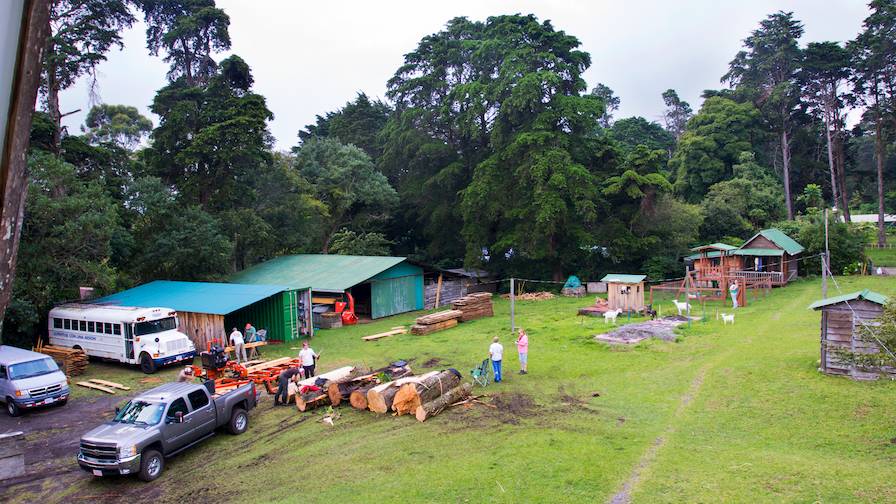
{"x": 109, "y": 384}
{"x": 421, "y": 330}
{"x": 269, "y": 364}
{"x": 247, "y": 346}
{"x": 95, "y": 387}
{"x": 441, "y": 316}
{"x": 386, "y": 334}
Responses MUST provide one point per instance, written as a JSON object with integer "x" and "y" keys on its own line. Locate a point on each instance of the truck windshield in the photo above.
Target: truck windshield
{"x": 32, "y": 368}
{"x": 140, "y": 413}
{"x": 154, "y": 326}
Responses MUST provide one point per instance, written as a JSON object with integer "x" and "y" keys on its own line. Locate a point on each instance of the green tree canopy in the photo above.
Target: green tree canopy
{"x": 633, "y": 131}
{"x": 119, "y": 124}
{"x": 358, "y": 123}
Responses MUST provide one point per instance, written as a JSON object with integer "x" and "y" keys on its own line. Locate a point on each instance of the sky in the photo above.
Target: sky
{"x": 309, "y": 58}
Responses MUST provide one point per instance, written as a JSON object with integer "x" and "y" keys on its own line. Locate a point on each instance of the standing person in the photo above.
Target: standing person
{"x": 250, "y": 333}
{"x": 496, "y": 353}
{"x": 733, "y": 288}
{"x": 309, "y": 359}
{"x": 185, "y": 375}
{"x": 238, "y": 344}
{"x": 522, "y": 347}
{"x": 292, "y": 374}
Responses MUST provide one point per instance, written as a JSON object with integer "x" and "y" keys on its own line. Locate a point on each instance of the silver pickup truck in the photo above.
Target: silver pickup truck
{"x": 160, "y": 423}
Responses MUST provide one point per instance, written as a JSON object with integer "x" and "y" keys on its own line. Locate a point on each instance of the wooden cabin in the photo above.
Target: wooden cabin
{"x": 625, "y": 292}
{"x": 841, "y": 320}
{"x": 769, "y": 256}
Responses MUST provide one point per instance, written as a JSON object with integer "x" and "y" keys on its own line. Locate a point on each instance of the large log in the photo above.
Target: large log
{"x": 358, "y": 398}
{"x": 420, "y": 330}
{"x": 435, "y": 318}
{"x": 379, "y": 398}
{"x": 433, "y": 408}
{"x": 412, "y": 395}
{"x": 343, "y": 389}
{"x": 311, "y": 400}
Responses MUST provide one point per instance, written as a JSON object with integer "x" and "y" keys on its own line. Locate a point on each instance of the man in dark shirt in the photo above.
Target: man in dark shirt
{"x": 292, "y": 374}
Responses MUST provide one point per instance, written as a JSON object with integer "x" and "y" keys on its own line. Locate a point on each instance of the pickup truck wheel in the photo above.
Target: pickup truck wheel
{"x": 147, "y": 365}
{"x": 151, "y": 465}
{"x": 12, "y": 409}
{"x": 239, "y": 421}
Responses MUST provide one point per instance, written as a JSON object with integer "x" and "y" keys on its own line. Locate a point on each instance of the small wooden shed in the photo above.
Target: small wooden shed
{"x": 841, "y": 320}
{"x": 625, "y": 292}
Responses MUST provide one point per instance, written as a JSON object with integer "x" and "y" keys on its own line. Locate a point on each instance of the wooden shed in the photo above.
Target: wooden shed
{"x": 625, "y": 292}
{"x": 841, "y": 320}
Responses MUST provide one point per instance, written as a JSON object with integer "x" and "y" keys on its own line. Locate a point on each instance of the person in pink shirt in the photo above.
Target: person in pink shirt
{"x": 522, "y": 347}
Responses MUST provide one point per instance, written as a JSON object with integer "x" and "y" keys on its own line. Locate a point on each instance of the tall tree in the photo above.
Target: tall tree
{"x": 766, "y": 73}
{"x": 874, "y": 85}
{"x": 189, "y": 32}
{"x": 676, "y": 114}
{"x": 633, "y": 131}
{"x": 824, "y": 70}
{"x": 358, "y": 123}
{"x": 119, "y": 124}
{"x": 81, "y": 33}
{"x": 611, "y": 103}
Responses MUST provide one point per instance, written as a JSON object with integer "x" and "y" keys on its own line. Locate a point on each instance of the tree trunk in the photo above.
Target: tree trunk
{"x": 785, "y": 159}
{"x": 358, "y": 398}
{"x": 311, "y": 400}
{"x": 879, "y": 151}
{"x": 831, "y": 164}
{"x": 433, "y": 408}
{"x": 379, "y": 398}
{"x": 841, "y": 172}
{"x": 411, "y": 395}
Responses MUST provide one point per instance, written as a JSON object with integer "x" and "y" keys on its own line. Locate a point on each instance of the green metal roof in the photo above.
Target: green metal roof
{"x": 758, "y": 252}
{"x": 323, "y": 272}
{"x": 780, "y": 239}
{"x": 693, "y": 257}
{"x": 866, "y": 294}
{"x": 197, "y": 297}
{"x": 714, "y": 246}
{"x": 626, "y": 279}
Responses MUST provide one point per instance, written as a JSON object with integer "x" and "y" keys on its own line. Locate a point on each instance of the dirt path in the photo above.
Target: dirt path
{"x": 624, "y": 494}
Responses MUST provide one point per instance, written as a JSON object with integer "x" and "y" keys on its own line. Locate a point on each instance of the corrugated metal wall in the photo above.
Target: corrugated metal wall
{"x": 285, "y": 315}
{"x": 396, "y": 290}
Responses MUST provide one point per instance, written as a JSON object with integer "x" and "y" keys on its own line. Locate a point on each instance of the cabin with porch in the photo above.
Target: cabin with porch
{"x": 769, "y": 257}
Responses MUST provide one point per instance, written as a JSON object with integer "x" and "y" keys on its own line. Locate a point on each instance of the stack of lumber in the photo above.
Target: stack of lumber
{"x": 474, "y": 306}
{"x": 72, "y": 362}
{"x": 414, "y": 394}
{"x": 437, "y": 321}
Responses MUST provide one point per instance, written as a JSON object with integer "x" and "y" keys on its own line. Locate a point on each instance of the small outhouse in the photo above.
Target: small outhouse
{"x": 625, "y": 292}
{"x": 841, "y": 320}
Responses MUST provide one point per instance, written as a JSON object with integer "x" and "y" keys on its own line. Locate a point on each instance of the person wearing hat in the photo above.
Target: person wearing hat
{"x": 250, "y": 333}
{"x": 293, "y": 374}
{"x": 496, "y": 354}
{"x": 238, "y": 344}
{"x": 186, "y": 374}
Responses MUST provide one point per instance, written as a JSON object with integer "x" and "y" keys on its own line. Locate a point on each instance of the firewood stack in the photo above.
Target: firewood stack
{"x": 72, "y": 362}
{"x": 474, "y": 306}
{"x": 438, "y": 321}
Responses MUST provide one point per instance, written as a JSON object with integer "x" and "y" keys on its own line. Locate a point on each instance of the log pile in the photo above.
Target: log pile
{"x": 434, "y": 322}
{"x": 412, "y": 395}
{"x": 439, "y": 404}
{"x": 72, "y": 362}
{"x": 340, "y": 390}
{"x": 380, "y": 398}
{"x": 474, "y": 306}
{"x": 531, "y": 296}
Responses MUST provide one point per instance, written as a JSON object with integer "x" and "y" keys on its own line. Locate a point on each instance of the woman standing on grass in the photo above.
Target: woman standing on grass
{"x": 496, "y": 353}
{"x": 522, "y": 347}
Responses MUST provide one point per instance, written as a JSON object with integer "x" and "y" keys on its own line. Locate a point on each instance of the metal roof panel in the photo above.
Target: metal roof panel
{"x": 197, "y": 297}
{"x": 323, "y": 272}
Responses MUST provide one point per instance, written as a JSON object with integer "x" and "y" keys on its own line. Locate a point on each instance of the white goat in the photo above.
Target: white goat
{"x": 682, "y": 306}
{"x": 611, "y": 315}
{"x": 727, "y": 318}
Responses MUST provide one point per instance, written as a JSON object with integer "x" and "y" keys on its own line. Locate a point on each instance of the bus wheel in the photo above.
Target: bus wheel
{"x": 147, "y": 365}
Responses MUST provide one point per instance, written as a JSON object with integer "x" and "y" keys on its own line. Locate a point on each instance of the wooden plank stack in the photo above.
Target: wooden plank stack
{"x": 72, "y": 362}
{"x": 438, "y": 321}
{"x": 474, "y": 306}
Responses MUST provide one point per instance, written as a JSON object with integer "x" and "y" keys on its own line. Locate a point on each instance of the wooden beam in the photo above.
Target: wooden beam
{"x": 95, "y": 387}
{"x": 109, "y": 384}
{"x": 438, "y": 291}
{"x": 386, "y": 334}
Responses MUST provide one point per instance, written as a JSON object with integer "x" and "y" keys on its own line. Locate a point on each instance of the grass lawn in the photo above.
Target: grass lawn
{"x": 726, "y": 414}
{"x": 881, "y": 257}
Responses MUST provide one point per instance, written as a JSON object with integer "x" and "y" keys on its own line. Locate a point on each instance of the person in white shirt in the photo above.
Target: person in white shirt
{"x": 309, "y": 359}
{"x": 238, "y": 344}
{"x": 496, "y": 353}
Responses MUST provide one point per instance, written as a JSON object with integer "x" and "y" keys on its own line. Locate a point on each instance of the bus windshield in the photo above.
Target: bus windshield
{"x": 140, "y": 413}
{"x": 32, "y": 368}
{"x": 154, "y": 326}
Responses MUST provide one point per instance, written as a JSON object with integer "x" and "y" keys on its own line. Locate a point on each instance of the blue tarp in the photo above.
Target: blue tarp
{"x": 197, "y": 297}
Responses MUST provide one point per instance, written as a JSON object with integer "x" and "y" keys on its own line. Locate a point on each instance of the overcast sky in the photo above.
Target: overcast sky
{"x": 311, "y": 57}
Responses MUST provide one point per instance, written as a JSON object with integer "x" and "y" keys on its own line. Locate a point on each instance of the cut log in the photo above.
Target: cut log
{"x": 411, "y": 395}
{"x": 433, "y": 408}
{"x": 358, "y": 398}
{"x": 339, "y": 390}
{"x": 312, "y": 400}
{"x": 442, "y": 316}
{"x": 431, "y": 328}
{"x": 379, "y": 398}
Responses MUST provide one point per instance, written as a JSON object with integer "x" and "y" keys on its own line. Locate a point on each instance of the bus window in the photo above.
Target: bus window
{"x": 66, "y": 324}
{"x": 57, "y": 323}
{"x": 116, "y": 329}
{"x": 154, "y": 326}
{"x": 82, "y": 325}
{"x": 108, "y": 328}
{"x": 90, "y": 327}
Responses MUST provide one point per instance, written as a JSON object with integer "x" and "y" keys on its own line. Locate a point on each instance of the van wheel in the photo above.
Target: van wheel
{"x": 239, "y": 421}
{"x": 151, "y": 465}
{"x": 147, "y": 365}
{"x": 12, "y": 409}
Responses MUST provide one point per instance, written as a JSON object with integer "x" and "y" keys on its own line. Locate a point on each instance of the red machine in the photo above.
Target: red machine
{"x": 348, "y": 316}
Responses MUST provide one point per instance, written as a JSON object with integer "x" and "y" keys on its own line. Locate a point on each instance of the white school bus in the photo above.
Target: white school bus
{"x": 144, "y": 336}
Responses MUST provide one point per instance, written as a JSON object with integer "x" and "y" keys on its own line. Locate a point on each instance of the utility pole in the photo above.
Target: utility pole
{"x": 512, "y": 300}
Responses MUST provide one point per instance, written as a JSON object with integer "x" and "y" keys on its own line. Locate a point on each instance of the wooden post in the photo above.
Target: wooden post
{"x": 512, "y": 300}
{"x": 438, "y": 291}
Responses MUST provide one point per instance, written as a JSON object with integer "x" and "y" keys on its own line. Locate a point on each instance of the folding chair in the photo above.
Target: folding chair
{"x": 480, "y": 373}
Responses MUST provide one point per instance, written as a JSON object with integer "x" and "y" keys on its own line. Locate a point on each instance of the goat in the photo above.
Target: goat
{"x": 682, "y": 306}
{"x": 727, "y": 318}
{"x": 611, "y": 315}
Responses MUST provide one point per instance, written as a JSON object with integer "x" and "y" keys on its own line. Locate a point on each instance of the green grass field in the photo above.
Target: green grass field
{"x": 726, "y": 414}
{"x": 881, "y": 257}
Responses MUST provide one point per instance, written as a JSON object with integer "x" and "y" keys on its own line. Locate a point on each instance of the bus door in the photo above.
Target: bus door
{"x": 128, "y": 341}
